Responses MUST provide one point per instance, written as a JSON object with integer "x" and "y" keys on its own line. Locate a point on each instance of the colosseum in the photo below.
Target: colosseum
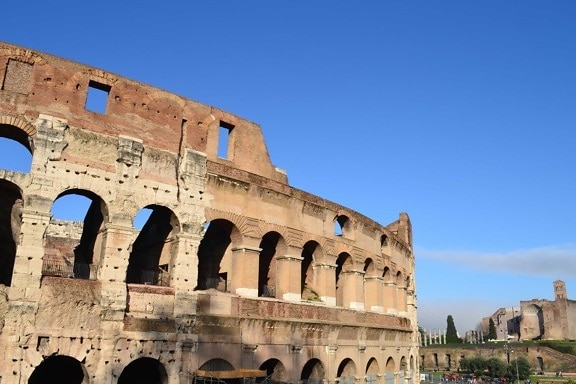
{"x": 234, "y": 276}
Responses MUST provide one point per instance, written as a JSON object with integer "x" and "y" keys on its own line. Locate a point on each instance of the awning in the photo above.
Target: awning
{"x": 235, "y": 374}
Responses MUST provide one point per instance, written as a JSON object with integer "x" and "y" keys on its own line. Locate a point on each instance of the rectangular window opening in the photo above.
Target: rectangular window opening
{"x": 224, "y": 147}
{"x": 97, "y": 97}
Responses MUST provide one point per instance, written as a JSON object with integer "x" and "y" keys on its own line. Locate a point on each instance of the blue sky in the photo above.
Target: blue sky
{"x": 460, "y": 113}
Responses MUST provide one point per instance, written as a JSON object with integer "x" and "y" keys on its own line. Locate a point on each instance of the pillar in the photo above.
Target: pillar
{"x": 288, "y": 277}
{"x": 245, "y": 264}
{"x": 325, "y": 275}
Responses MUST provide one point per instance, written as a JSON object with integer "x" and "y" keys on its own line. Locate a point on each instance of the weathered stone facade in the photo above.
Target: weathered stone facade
{"x": 540, "y": 358}
{"x": 235, "y": 273}
{"x": 537, "y": 319}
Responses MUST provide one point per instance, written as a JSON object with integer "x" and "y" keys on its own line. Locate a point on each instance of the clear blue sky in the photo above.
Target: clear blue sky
{"x": 461, "y": 113}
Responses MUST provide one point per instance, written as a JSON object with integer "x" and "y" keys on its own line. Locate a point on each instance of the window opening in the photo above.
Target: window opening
{"x": 340, "y": 223}
{"x": 224, "y": 148}
{"x": 73, "y": 235}
{"x": 97, "y": 97}
{"x": 15, "y": 157}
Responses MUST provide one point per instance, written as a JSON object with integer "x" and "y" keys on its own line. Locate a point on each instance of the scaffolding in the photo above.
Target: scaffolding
{"x": 238, "y": 376}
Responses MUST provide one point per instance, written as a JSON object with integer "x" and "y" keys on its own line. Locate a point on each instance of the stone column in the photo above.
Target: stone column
{"x": 184, "y": 273}
{"x": 401, "y": 299}
{"x": 325, "y": 276}
{"x": 23, "y": 294}
{"x": 389, "y": 297}
{"x": 373, "y": 294}
{"x": 245, "y": 265}
{"x": 353, "y": 294}
{"x": 112, "y": 271}
{"x": 25, "y": 286}
{"x": 288, "y": 277}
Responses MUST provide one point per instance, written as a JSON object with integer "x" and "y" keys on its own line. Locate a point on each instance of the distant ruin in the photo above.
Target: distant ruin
{"x": 235, "y": 274}
{"x": 537, "y": 319}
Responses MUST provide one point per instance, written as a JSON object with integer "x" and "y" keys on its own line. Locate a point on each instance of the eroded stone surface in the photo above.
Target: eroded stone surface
{"x": 268, "y": 285}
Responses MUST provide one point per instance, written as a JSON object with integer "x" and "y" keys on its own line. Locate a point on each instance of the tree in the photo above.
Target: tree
{"x": 451, "y": 333}
{"x": 524, "y": 370}
{"x": 491, "y": 330}
{"x": 496, "y": 367}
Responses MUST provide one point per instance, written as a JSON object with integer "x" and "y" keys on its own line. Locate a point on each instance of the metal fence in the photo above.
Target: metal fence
{"x": 61, "y": 268}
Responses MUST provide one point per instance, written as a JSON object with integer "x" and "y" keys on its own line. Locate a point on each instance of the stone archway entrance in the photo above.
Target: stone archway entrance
{"x": 59, "y": 370}
{"x": 144, "y": 370}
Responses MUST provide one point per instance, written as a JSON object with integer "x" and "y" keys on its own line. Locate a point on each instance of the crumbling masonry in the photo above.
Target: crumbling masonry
{"x": 235, "y": 274}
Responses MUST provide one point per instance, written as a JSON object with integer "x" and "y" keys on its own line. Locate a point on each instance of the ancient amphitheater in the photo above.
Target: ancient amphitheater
{"x": 235, "y": 277}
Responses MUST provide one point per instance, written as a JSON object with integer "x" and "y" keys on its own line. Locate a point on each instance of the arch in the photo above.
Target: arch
{"x": 390, "y": 365}
{"x": 372, "y": 370}
{"x": 59, "y": 369}
{"x": 372, "y": 286}
{"x": 313, "y": 372}
{"x": 346, "y": 371}
{"x": 71, "y": 247}
{"x": 16, "y": 146}
{"x": 275, "y": 370}
{"x": 214, "y": 254}
{"x": 386, "y": 274}
{"x": 343, "y": 263}
{"x": 17, "y": 129}
{"x": 10, "y": 221}
{"x": 216, "y": 365}
{"x": 399, "y": 279}
{"x": 383, "y": 241}
{"x": 369, "y": 268}
{"x": 144, "y": 370}
{"x": 403, "y": 363}
{"x": 372, "y": 366}
{"x": 152, "y": 251}
{"x": 308, "y": 288}
{"x": 390, "y": 369}
{"x": 270, "y": 244}
{"x": 342, "y": 225}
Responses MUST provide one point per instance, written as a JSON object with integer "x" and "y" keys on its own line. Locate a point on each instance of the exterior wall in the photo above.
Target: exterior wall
{"x": 541, "y": 359}
{"x": 538, "y": 318}
{"x": 234, "y": 269}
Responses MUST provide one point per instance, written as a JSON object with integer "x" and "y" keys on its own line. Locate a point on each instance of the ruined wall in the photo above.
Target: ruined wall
{"x": 545, "y": 319}
{"x": 233, "y": 269}
{"x": 540, "y": 358}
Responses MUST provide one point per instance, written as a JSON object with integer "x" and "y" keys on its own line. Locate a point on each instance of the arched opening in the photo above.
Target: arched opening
{"x": 383, "y": 242}
{"x": 10, "y": 221}
{"x": 74, "y": 235}
{"x": 144, "y": 370}
{"x": 267, "y": 265}
{"x": 403, "y": 369}
{"x": 216, "y": 365}
{"x": 341, "y": 225}
{"x": 390, "y": 368}
{"x": 313, "y": 372}
{"x": 310, "y": 253}
{"x": 15, "y": 148}
{"x": 372, "y": 370}
{"x": 153, "y": 249}
{"x": 386, "y": 274}
{"x": 275, "y": 371}
{"x": 400, "y": 299}
{"x": 372, "y": 286}
{"x": 214, "y": 255}
{"x": 346, "y": 371}
{"x": 343, "y": 264}
{"x": 59, "y": 369}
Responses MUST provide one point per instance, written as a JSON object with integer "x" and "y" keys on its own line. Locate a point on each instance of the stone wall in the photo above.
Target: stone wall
{"x": 234, "y": 270}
